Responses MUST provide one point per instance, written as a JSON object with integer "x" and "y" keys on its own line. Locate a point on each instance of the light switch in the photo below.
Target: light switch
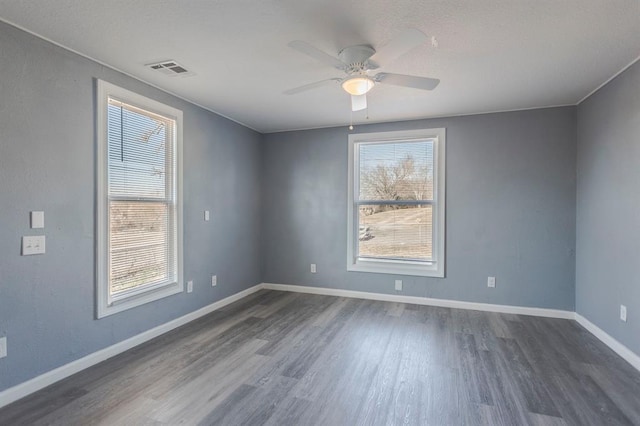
{"x": 37, "y": 220}
{"x": 206, "y": 215}
{"x": 33, "y": 245}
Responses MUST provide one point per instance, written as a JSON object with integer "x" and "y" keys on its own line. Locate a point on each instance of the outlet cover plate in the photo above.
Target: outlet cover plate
{"x": 491, "y": 282}
{"x": 33, "y": 245}
{"x": 214, "y": 280}
{"x": 623, "y": 313}
{"x": 398, "y": 285}
{"x": 313, "y": 268}
{"x": 3, "y": 347}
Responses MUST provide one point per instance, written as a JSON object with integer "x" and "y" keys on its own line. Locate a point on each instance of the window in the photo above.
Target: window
{"x": 139, "y": 208}
{"x": 396, "y": 202}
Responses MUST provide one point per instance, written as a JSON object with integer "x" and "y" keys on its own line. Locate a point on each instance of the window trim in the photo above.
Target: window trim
{"x": 393, "y": 266}
{"x": 104, "y": 305}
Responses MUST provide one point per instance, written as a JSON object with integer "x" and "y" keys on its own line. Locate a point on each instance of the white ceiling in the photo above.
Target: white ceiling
{"x": 493, "y": 55}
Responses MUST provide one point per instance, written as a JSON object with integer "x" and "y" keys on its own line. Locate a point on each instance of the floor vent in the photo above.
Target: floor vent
{"x": 170, "y": 68}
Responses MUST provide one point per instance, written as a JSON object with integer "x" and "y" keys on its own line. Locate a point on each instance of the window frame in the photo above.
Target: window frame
{"x": 105, "y": 304}
{"x": 435, "y": 268}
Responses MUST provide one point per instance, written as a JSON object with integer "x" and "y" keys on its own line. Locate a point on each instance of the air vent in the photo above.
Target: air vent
{"x": 170, "y": 68}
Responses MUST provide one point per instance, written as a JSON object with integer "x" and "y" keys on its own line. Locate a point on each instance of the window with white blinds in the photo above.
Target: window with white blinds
{"x": 396, "y": 208}
{"x": 140, "y": 232}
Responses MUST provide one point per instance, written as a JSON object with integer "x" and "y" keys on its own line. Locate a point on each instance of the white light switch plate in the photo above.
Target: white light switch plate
{"x": 33, "y": 245}
{"x": 189, "y": 286}
{"x": 3, "y": 347}
{"x": 37, "y": 220}
{"x": 491, "y": 282}
{"x": 313, "y": 268}
{"x": 206, "y": 215}
{"x": 399, "y": 285}
{"x": 623, "y": 313}
{"x": 214, "y": 280}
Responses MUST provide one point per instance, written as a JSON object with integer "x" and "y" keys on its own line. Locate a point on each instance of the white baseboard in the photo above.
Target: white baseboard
{"x": 626, "y": 353}
{"x": 445, "y": 303}
{"x": 23, "y": 389}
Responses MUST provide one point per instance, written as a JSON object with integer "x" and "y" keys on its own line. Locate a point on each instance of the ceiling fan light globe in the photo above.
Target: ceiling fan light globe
{"x": 357, "y": 85}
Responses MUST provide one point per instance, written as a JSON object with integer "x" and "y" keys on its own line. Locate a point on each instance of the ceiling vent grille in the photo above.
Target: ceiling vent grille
{"x": 170, "y": 68}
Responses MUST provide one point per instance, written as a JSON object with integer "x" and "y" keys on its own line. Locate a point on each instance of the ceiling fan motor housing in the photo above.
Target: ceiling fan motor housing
{"x": 356, "y": 57}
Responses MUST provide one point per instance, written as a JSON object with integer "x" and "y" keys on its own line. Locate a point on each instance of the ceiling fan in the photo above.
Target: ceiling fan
{"x": 358, "y": 61}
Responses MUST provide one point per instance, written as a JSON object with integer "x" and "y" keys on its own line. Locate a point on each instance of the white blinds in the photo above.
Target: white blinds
{"x": 142, "y": 208}
{"x": 395, "y": 200}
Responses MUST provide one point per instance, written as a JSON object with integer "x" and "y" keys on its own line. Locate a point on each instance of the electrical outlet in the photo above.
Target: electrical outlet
{"x": 33, "y": 245}
{"x": 3, "y": 347}
{"x": 214, "y": 280}
{"x": 313, "y": 268}
{"x": 623, "y": 313}
{"x": 398, "y": 285}
{"x": 491, "y": 282}
{"x": 189, "y": 286}
{"x": 206, "y": 215}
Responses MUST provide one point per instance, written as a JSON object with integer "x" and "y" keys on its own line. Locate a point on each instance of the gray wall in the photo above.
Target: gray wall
{"x": 47, "y": 155}
{"x": 608, "y": 208}
{"x": 510, "y": 209}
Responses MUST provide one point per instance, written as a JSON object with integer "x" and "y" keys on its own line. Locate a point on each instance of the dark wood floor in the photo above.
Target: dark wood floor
{"x": 293, "y": 359}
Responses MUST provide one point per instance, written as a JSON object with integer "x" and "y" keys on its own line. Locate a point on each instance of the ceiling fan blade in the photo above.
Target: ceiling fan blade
{"x": 310, "y": 86}
{"x": 423, "y": 83}
{"x": 398, "y": 46}
{"x": 319, "y": 55}
{"x": 372, "y": 65}
{"x": 358, "y": 102}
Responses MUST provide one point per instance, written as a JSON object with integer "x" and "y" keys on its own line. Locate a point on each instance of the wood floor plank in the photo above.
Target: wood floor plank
{"x": 471, "y": 372}
{"x": 395, "y": 309}
{"x": 354, "y": 357}
{"x": 265, "y": 403}
{"x": 291, "y": 326}
{"x": 289, "y": 412}
{"x": 230, "y": 408}
{"x": 325, "y": 317}
{"x": 582, "y": 402}
{"x": 195, "y": 399}
{"x": 508, "y": 399}
{"x": 41, "y": 405}
{"x": 542, "y": 420}
{"x": 530, "y": 385}
{"x": 380, "y": 401}
{"x": 439, "y": 400}
{"x": 621, "y": 388}
{"x": 279, "y": 358}
{"x": 131, "y": 412}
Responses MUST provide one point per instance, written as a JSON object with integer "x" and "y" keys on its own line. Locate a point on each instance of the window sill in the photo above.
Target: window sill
{"x": 139, "y": 299}
{"x": 396, "y": 268}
